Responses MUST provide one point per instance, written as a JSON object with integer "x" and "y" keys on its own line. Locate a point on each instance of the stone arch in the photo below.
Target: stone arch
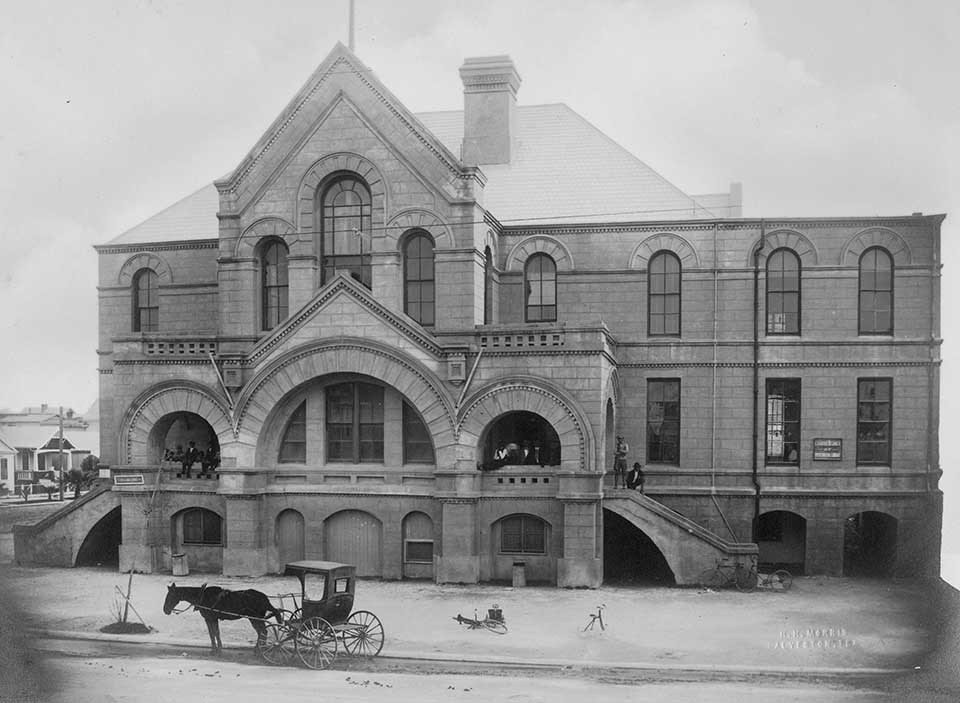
{"x": 524, "y": 394}
{"x": 664, "y": 241}
{"x": 610, "y": 404}
{"x": 418, "y": 384}
{"x": 165, "y": 399}
{"x": 145, "y": 260}
{"x": 490, "y": 240}
{"x": 326, "y": 167}
{"x": 278, "y": 227}
{"x": 538, "y": 244}
{"x": 788, "y": 239}
{"x": 876, "y": 237}
{"x": 417, "y": 219}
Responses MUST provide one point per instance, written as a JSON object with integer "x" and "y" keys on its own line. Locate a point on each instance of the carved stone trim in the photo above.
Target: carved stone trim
{"x": 558, "y": 411}
{"x": 323, "y": 168}
{"x": 876, "y": 237}
{"x": 788, "y": 239}
{"x": 418, "y": 218}
{"x": 539, "y": 244}
{"x": 664, "y": 241}
{"x": 145, "y": 260}
{"x": 157, "y": 246}
{"x": 162, "y": 400}
{"x": 269, "y": 227}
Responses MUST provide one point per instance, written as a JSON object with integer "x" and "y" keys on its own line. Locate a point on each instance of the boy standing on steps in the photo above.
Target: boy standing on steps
{"x": 620, "y": 463}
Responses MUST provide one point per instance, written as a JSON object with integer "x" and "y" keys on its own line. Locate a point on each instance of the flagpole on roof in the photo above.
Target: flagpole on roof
{"x": 350, "y": 39}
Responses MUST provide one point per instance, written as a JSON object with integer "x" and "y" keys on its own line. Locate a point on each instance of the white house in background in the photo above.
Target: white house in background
{"x": 34, "y": 450}
{"x": 7, "y": 456}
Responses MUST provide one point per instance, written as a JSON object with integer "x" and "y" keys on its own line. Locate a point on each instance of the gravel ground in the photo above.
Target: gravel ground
{"x": 820, "y": 623}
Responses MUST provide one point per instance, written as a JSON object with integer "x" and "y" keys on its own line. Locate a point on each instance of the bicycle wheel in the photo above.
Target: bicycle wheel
{"x": 711, "y": 578}
{"x": 496, "y": 626}
{"x": 363, "y": 634}
{"x": 316, "y": 643}
{"x": 781, "y": 580}
{"x": 745, "y": 580}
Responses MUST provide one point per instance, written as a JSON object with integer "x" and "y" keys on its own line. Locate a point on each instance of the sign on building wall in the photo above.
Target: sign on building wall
{"x": 827, "y": 449}
{"x": 128, "y": 480}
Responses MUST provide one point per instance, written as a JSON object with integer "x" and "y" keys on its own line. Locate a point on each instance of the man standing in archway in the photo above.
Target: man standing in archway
{"x": 620, "y": 463}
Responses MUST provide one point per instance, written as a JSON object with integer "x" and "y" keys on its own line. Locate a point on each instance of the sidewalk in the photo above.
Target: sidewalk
{"x": 822, "y": 625}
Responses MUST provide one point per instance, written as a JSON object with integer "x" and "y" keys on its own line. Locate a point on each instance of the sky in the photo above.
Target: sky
{"x": 114, "y": 110}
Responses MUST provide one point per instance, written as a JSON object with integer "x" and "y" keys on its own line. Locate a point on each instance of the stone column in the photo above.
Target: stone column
{"x": 581, "y": 565}
{"x": 244, "y": 553}
{"x": 459, "y": 561}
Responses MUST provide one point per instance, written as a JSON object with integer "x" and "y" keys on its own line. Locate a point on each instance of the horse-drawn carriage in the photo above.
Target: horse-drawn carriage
{"x": 319, "y": 621}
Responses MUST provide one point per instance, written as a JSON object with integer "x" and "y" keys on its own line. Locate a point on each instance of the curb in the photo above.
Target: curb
{"x": 503, "y": 661}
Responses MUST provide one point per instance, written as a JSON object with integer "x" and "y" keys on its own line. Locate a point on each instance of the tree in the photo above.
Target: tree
{"x": 82, "y": 478}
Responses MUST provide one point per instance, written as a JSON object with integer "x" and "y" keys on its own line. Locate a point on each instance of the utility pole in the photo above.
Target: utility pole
{"x": 60, "y": 453}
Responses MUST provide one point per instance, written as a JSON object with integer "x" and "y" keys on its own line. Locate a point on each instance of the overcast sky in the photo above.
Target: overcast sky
{"x": 114, "y": 110}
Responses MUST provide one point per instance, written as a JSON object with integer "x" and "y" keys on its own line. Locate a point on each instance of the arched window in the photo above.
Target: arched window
{"x": 417, "y": 446}
{"x": 876, "y": 292}
{"x": 354, "y": 425}
{"x": 487, "y": 286}
{"x": 274, "y": 283}
{"x": 346, "y": 229}
{"x": 523, "y": 534}
{"x": 202, "y": 526}
{"x": 663, "y": 294}
{"x": 418, "y": 278}
{"x": 540, "y": 274}
{"x": 146, "y": 301}
{"x": 783, "y": 292}
{"x": 293, "y": 446}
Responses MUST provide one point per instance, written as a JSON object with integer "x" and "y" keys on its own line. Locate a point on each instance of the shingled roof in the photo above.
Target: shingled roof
{"x": 565, "y": 171}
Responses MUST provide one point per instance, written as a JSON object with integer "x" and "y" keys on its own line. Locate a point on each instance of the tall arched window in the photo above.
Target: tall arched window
{"x": 293, "y": 446}
{"x": 487, "y": 286}
{"x": 540, "y": 274}
{"x": 346, "y": 229}
{"x": 274, "y": 283}
{"x": 146, "y": 301}
{"x": 876, "y": 292}
{"x": 783, "y": 292}
{"x": 354, "y": 425}
{"x": 663, "y": 294}
{"x": 418, "y": 278}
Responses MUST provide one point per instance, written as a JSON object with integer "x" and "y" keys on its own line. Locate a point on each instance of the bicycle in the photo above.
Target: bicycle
{"x": 494, "y": 621}
{"x": 595, "y": 618}
{"x": 724, "y": 574}
{"x": 780, "y": 581}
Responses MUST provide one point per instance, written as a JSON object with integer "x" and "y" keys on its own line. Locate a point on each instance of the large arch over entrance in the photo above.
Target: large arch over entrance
{"x": 869, "y": 544}
{"x": 413, "y": 380}
{"x": 629, "y": 556}
{"x": 524, "y": 395}
{"x": 101, "y": 546}
{"x": 163, "y": 401}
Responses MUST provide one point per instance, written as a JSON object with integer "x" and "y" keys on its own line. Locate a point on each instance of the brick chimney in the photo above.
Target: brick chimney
{"x": 490, "y": 86}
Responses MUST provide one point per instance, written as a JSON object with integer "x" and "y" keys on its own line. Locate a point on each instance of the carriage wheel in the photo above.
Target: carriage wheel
{"x": 316, "y": 643}
{"x": 363, "y": 634}
{"x": 279, "y": 647}
{"x": 286, "y": 616}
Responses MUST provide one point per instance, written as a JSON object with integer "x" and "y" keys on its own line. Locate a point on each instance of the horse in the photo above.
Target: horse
{"x": 216, "y": 604}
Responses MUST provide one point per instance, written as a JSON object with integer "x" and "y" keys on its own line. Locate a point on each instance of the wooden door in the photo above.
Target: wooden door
{"x": 354, "y": 537}
{"x": 289, "y": 537}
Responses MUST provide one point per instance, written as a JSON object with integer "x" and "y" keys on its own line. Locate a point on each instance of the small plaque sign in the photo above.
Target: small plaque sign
{"x": 128, "y": 480}
{"x": 827, "y": 449}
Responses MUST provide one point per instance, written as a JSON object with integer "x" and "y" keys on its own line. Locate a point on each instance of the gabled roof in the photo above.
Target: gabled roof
{"x": 565, "y": 170}
{"x": 568, "y": 171}
{"x": 5, "y": 446}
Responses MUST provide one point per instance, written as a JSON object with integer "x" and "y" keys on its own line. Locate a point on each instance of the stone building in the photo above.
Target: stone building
{"x": 411, "y": 339}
